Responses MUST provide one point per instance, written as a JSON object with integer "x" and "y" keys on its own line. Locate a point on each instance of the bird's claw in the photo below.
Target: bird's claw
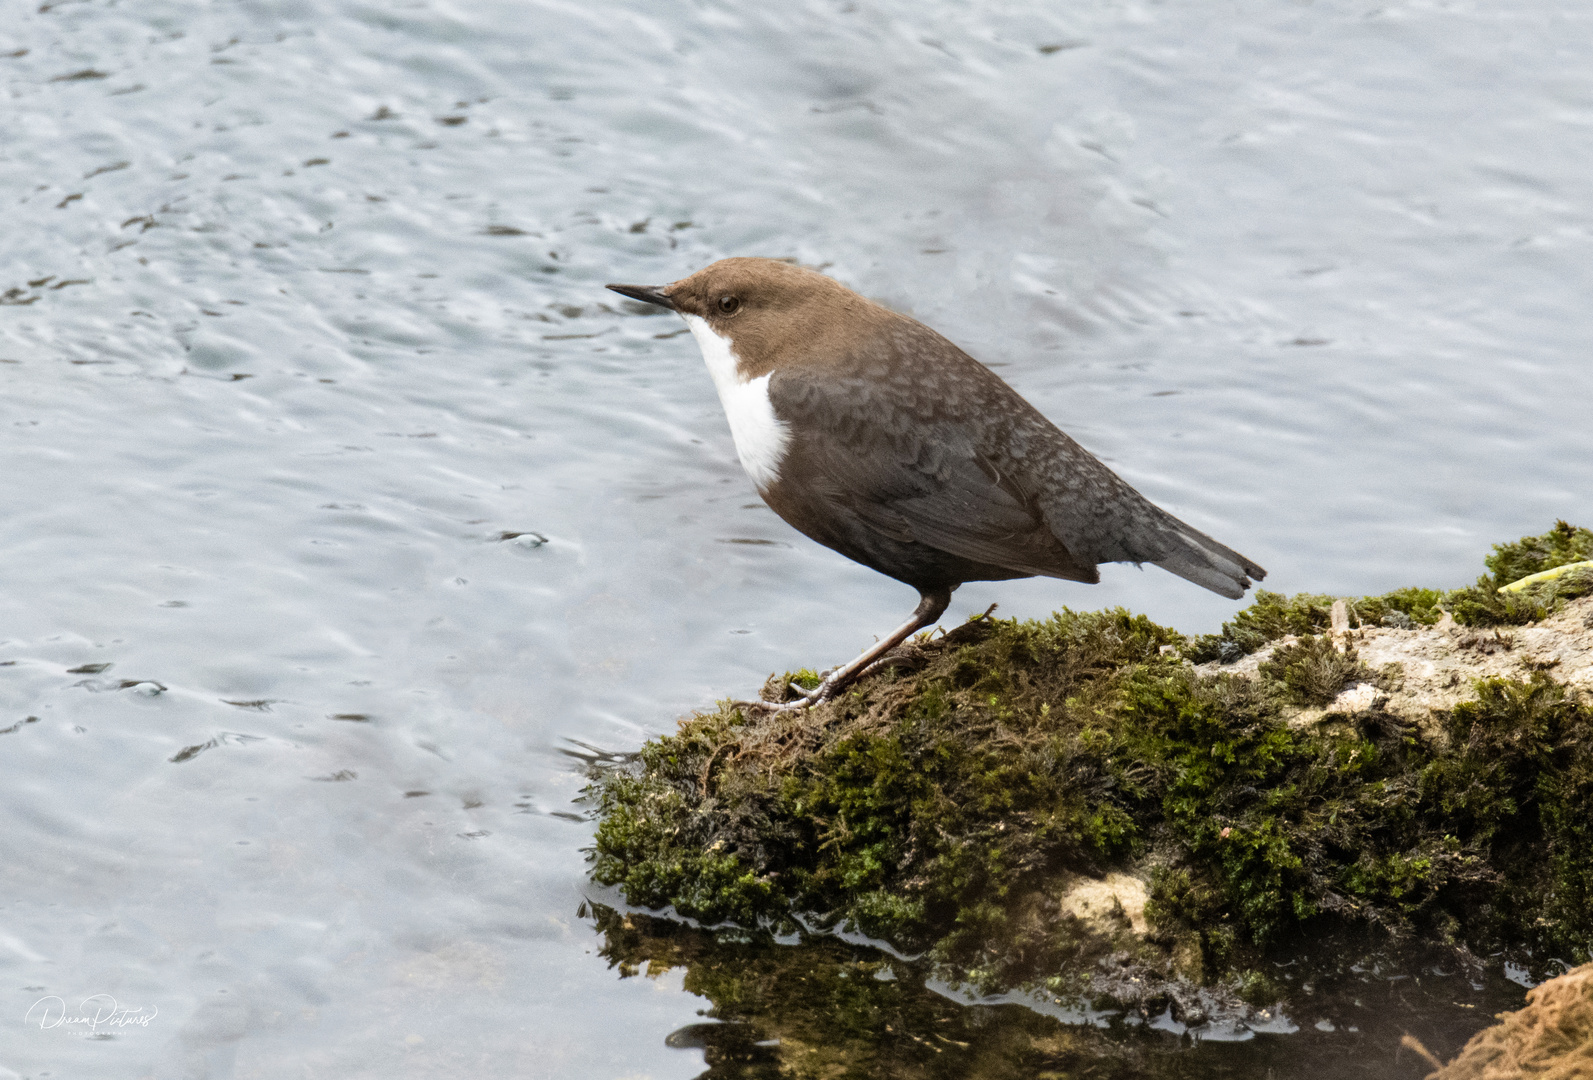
{"x": 802, "y": 692}
{"x": 805, "y": 698}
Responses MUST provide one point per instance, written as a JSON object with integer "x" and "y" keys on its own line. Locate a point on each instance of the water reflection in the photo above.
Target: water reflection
{"x": 828, "y": 1007}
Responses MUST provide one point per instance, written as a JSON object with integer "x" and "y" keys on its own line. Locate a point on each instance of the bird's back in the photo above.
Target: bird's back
{"x": 898, "y": 434}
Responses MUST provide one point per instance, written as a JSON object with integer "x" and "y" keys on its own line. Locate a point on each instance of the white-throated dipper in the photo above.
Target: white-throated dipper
{"x": 875, "y": 436}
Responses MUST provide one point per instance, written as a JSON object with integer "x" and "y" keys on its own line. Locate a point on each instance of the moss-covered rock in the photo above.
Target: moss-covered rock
{"x": 952, "y": 804}
{"x": 1272, "y": 615}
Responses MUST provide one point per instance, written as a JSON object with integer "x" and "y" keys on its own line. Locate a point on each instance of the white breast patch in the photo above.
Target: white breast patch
{"x": 761, "y": 437}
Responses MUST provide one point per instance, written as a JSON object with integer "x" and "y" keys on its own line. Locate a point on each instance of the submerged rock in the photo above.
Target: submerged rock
{"x": 1076, "y": 808}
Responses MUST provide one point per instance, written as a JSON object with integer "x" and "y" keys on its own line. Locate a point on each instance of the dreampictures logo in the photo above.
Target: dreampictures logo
{"x": 94, "y": 1014}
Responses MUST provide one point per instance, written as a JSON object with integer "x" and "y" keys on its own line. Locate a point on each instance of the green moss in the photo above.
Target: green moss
{"x": 1534, "y": 554}
{"x": 1483, "y": 605}
{"x": 1269, "y": 617}
{"x": 807, "y": 678}
{"x": 1314, "y": 670}
{"x": 1402, "y": 608}
{"x": 1273, "y": 615}
{"x": 945, "y": 804}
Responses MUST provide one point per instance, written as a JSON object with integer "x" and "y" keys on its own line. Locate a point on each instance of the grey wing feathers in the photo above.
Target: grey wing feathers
{"x": 944, "y": 496}
{"x": 1030, "y": 500}
{"x": 971, "y": 514}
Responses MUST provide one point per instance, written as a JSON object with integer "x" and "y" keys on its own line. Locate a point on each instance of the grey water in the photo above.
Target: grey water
{"x": 345, "y": 513}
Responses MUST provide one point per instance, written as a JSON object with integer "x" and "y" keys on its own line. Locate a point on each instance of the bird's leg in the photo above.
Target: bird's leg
{"x": 884, "y": 660}
{"x": 931, "y": 606}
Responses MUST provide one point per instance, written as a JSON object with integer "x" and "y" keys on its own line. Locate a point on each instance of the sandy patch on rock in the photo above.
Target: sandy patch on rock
{"x": 1108, "y": 898}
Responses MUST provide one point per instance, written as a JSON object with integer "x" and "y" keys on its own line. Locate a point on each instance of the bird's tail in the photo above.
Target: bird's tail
{"x": 1197, "y": 557}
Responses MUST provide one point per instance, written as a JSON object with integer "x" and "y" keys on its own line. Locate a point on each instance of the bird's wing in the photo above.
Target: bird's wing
{"x": 946, "y": 453}
{"x": 914, "y": 476}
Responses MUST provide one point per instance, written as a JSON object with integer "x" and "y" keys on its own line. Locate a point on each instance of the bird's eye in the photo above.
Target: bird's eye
{"x": 729, "y": 304}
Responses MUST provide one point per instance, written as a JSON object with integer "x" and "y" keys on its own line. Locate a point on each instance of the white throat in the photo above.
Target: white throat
{"x": 761, "y": 437}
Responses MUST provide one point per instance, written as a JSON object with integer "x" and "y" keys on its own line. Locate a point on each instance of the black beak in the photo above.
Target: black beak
{"x": 647, "y": 294}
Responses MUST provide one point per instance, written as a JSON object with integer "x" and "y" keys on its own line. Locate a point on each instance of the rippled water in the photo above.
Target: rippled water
{"x": 343, "y": 506}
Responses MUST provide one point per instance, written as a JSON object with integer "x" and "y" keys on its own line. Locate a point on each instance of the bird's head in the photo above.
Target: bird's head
{"x": 770, "y": 311}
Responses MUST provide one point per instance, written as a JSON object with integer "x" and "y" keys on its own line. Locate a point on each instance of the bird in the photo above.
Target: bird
{"x": 874, "y": 435}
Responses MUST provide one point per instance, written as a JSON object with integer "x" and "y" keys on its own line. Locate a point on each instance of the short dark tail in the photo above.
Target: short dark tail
{"x": 1197, "y": 557}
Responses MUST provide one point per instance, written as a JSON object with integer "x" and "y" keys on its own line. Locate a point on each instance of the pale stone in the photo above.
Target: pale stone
{"x": 1358, "y": 698}
{"x": 1092, "y": 899}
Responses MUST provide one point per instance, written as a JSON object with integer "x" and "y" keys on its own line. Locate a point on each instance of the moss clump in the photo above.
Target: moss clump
{"x": 1274, "y": 615}
{"x": 1314, "y": 671}
{"x": 1402, "y": 608}
{"x": 1534, "y": 554}
{"x": 1468, "y": 839}
{"x": 1270, "y": 617}
{"x": 1483, "y": 605}
{"x": 1551, "y": 1039}
{"x": 924, "y": 812}
{"x": 947, "y": 802}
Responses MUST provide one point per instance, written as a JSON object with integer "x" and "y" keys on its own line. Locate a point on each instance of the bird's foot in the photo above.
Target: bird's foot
{"x": 764, "y": 706}
{"x": 788, "y": 691}
{"x": 930, "y": 607}
{"x": 803, "y": 698}
{"x": 818, "y": 694}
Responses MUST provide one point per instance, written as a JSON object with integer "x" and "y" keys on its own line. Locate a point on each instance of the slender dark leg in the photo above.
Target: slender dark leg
{"x": 932, "y": 605}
